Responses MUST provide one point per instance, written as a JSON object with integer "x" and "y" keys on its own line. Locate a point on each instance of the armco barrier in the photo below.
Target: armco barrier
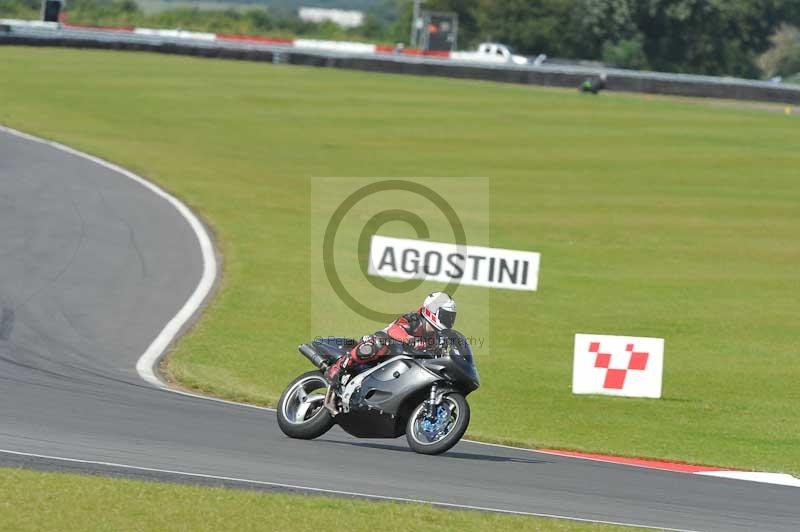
{"x": 259, "y": 49}
{"x": 554, "y": 77}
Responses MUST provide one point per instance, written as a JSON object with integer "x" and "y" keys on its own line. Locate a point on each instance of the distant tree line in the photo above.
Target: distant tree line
{"x": 748, "y": 38}
{"x": 717, "y": 37}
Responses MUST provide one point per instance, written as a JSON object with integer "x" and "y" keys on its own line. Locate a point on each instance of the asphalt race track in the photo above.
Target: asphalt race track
{"x": 93, "y": 265}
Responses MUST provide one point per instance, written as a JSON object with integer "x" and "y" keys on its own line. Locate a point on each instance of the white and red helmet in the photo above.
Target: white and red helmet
{"x": 439, "y": 309}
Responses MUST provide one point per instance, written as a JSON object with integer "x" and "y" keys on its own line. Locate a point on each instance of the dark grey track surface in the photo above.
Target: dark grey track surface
{"x": 92, "y": 265}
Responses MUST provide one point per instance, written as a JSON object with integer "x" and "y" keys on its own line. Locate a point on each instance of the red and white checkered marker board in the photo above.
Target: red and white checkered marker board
{"x": 618, "y": 365}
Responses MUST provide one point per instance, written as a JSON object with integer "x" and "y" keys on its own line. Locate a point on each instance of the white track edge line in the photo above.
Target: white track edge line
{"x": 145, "y": 365}
{"x": 776, "y": 479}
{"x": 332, "y": 491}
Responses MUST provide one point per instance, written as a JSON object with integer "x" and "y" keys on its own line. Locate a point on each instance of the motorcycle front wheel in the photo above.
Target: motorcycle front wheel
{"x": 301, "y": 410}
{"x": 436, "y": 434}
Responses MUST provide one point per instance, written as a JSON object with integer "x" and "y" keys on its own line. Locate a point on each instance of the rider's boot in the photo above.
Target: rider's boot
{"x": 330, "y": 402}
{"x": 334, "y": 376}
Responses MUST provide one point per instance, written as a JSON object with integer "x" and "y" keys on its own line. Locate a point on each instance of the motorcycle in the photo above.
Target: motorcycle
{"x": 416, "y": 393}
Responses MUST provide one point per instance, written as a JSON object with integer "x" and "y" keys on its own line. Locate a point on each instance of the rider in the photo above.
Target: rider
{"x": 419, "y": 330}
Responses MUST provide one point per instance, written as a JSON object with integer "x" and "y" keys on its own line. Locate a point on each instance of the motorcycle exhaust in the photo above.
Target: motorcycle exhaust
{"x": 314, "y": 357}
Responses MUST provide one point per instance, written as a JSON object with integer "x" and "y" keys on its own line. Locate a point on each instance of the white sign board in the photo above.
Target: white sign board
{"x": 618, "y": 365}
{"x": 404, "y": 258}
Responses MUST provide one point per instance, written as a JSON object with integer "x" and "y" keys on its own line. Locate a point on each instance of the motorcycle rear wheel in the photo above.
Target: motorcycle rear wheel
{"x": 301, "y": 413}
{"x": 426, "y": 443}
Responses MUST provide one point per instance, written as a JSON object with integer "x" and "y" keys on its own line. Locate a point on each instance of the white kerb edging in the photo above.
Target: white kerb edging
{"x": 145, "y": 366}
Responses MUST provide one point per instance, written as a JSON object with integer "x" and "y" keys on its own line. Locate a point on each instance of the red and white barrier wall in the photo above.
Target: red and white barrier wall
{"x": 348, "y": 47}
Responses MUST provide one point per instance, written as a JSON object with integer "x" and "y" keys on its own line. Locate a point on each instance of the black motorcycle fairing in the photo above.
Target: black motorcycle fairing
{"x": 371, "y": 424}
{"x": 458, "y": 345}
{"x": 458, "y": 365}
{"x": 454, "y": 370}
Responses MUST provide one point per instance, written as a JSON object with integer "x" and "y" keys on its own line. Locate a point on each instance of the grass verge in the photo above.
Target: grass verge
{"x": 33, "y": 501}
{"x": 654, "y": 218}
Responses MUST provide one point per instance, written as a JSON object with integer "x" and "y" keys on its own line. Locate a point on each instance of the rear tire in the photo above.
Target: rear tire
{"x": 301, "y": 413}
{"x": 459, "y": 421}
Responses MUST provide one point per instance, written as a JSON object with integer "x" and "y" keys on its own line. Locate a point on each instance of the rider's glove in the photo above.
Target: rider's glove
{"x": 441, "y": 342}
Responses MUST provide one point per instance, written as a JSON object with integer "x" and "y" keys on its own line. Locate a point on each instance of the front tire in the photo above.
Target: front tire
{"x": 427, "y": 436}
{"x": 301, "y": 410}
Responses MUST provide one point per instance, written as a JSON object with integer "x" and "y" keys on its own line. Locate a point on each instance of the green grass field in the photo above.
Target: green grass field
{"x": 34, "y": 501}
{"x": 654, "y": 217}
